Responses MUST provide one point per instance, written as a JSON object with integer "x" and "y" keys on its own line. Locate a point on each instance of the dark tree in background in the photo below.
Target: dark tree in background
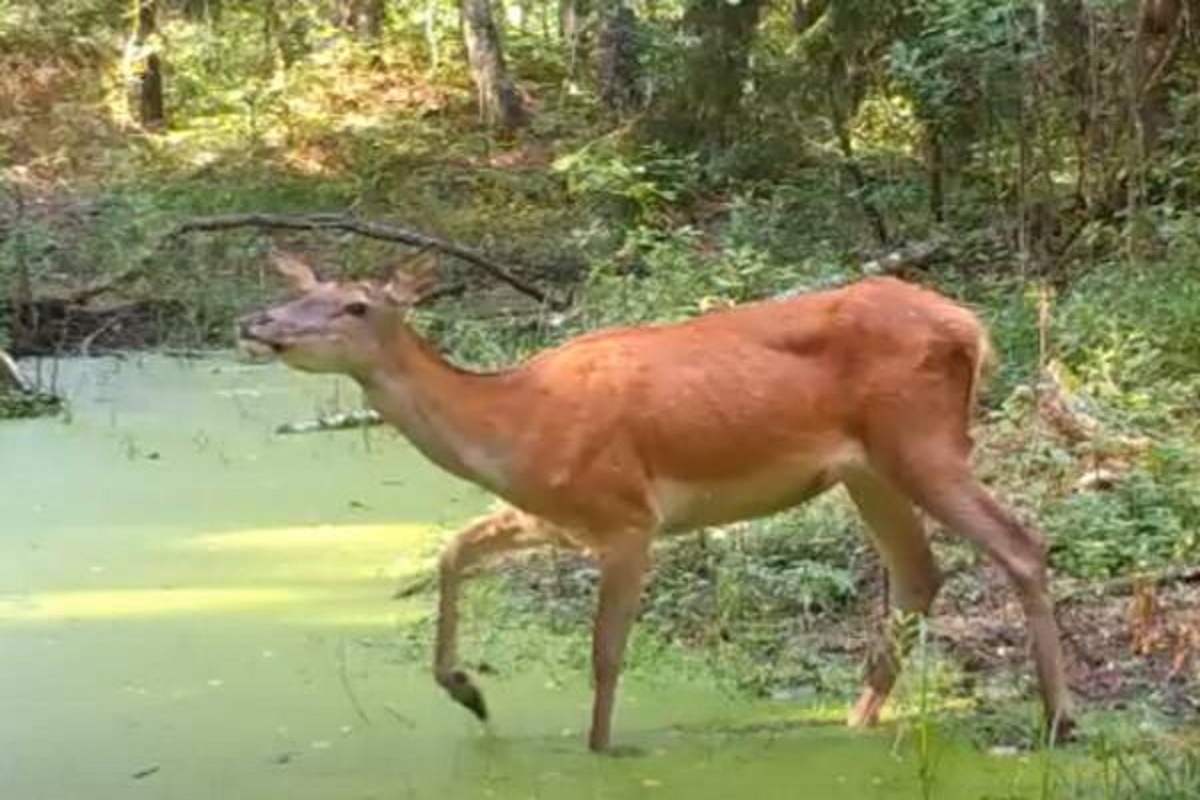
{"x": 499, "y": 103}
{"x": 716, "y": 68}
{"x": 617, "y": 67}
{"x": 147, "y": 91}
{"x": 362, "y": 17}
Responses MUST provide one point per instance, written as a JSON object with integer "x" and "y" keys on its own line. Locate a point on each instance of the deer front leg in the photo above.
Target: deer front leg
{"x": 621, "y": 576}
{"x": 913, "y": 580}
{"x": 502, "y": 531}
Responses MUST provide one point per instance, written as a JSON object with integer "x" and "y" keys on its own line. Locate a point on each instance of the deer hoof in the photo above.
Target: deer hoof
{"x": 459, "y": 685}
{"x": 1063, "y": 731}
{"x": 865, "y": 713}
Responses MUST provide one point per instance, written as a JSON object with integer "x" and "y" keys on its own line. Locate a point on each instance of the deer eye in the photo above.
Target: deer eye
{"x": 355, "y": 309}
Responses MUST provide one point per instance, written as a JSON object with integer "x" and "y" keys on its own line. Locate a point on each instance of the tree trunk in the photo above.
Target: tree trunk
{"x": 1156, "y": 45}
{"x": 499, "y": 103}
{"x": 617, "y": 59}
{"x": 147, "y": 95}
{"x": 362, "y": 17}
{"x": 839, "y": 84}
{"x": 716, "y": 66}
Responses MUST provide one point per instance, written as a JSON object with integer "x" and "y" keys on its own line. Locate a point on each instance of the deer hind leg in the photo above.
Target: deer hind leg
{"x": 941, "y": 482}
{"x": 503, "y": 531}
{"x": 913, "y": 579}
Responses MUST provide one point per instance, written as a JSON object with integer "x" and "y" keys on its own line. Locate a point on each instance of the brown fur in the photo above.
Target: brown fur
{"x": 618, "y": 436}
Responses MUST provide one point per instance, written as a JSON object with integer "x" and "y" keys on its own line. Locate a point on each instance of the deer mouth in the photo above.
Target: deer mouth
{"x": 258, "y": 347}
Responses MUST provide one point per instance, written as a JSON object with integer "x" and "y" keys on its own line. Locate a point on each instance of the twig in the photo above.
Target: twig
{"x": 403, "y": 720}
{"x": 1126, "y": 583}
{"x": 345, "y": 678}
{"x": 414, "y": 585}
{"x": 85, "y": 346}
{"x": 362, "y": 227}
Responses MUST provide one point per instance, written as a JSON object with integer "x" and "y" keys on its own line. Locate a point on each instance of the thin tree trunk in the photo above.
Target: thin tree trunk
{"x": 572, "y": 15}
{"x": 617, "y": 59}
{"x": 838, "y": 76}
{"x": 499, "y": 103}
{"x": 147, "y": 95}
{"x": 935, "y": 167}
{"x": 429, "y": 27}
{"x": 202, "y": 10}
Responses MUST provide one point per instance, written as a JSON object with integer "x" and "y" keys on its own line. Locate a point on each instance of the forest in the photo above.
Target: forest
{"x": 569, "y": 166}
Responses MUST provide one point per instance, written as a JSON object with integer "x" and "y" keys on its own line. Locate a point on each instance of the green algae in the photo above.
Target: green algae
{"x": 194, "y": 607}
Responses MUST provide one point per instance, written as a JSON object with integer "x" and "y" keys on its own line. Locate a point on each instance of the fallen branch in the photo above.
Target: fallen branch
{"x": 913, "y": 256}
{"x": 374, "y": 230}
{"x": 11, "y": 376}
{"x": 102, "y": 286}
{"x": 1125, "y": 584}
{"x": 349, "y": 420}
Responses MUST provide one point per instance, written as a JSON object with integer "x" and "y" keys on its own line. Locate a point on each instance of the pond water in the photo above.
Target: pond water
{"x": 194, "y": 607}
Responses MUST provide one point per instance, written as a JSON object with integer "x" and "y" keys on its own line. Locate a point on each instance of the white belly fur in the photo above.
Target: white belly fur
{"x": 684, "y": 506}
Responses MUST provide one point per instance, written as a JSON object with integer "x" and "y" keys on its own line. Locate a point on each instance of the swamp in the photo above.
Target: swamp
{"x": 219, "y": 576}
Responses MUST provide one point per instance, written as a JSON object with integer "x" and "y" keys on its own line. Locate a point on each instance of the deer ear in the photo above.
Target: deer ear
{"x": 299, "y": 275}
{"x": 412, "y": 279}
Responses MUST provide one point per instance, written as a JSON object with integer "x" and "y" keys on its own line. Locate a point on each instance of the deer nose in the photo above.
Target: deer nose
{"x": 248, "y": 323}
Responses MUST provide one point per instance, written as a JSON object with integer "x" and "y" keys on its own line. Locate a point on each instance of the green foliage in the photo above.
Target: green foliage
{"x": 966, "y": 57}
{"x": 1151, "y": 518}
{"x": 636, "y": 188}
{"x": 74, "y": 26}
{"x": 1132, "y": 332}
{"x": 1143, "y": 769}
{"x": 21, "y": 405}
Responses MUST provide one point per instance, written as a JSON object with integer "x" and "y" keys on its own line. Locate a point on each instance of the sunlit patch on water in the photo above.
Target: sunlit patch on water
{"x": 356, "y": 540}
{"x": 131, "y": 603}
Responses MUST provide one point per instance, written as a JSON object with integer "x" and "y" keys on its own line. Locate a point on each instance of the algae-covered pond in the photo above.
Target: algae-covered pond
{"x": 194, "y": 607}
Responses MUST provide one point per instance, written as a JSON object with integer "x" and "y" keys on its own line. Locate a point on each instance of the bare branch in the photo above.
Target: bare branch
{"x": 11, "y": 376}
{"x": 362, "y": 227}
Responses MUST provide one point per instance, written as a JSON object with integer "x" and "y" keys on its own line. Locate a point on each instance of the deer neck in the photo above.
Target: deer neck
{"x": 457, "y": 419}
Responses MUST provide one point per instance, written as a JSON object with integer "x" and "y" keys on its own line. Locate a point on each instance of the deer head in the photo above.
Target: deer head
{"x": 333, "y": 326}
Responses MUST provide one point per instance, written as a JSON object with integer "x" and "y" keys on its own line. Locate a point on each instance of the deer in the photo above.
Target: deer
{"x": 622, "y": 435}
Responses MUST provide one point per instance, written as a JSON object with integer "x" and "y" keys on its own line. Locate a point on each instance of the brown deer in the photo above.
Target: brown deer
{"x": 618, "y": 436}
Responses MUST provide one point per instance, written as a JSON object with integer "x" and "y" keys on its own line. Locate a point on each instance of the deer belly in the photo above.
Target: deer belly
{"x": 687, "y": 505}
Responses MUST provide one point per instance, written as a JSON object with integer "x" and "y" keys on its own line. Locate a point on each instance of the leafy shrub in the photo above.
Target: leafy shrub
{"x": 1149, "y": 519}
{"x": 633, "y": 186}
